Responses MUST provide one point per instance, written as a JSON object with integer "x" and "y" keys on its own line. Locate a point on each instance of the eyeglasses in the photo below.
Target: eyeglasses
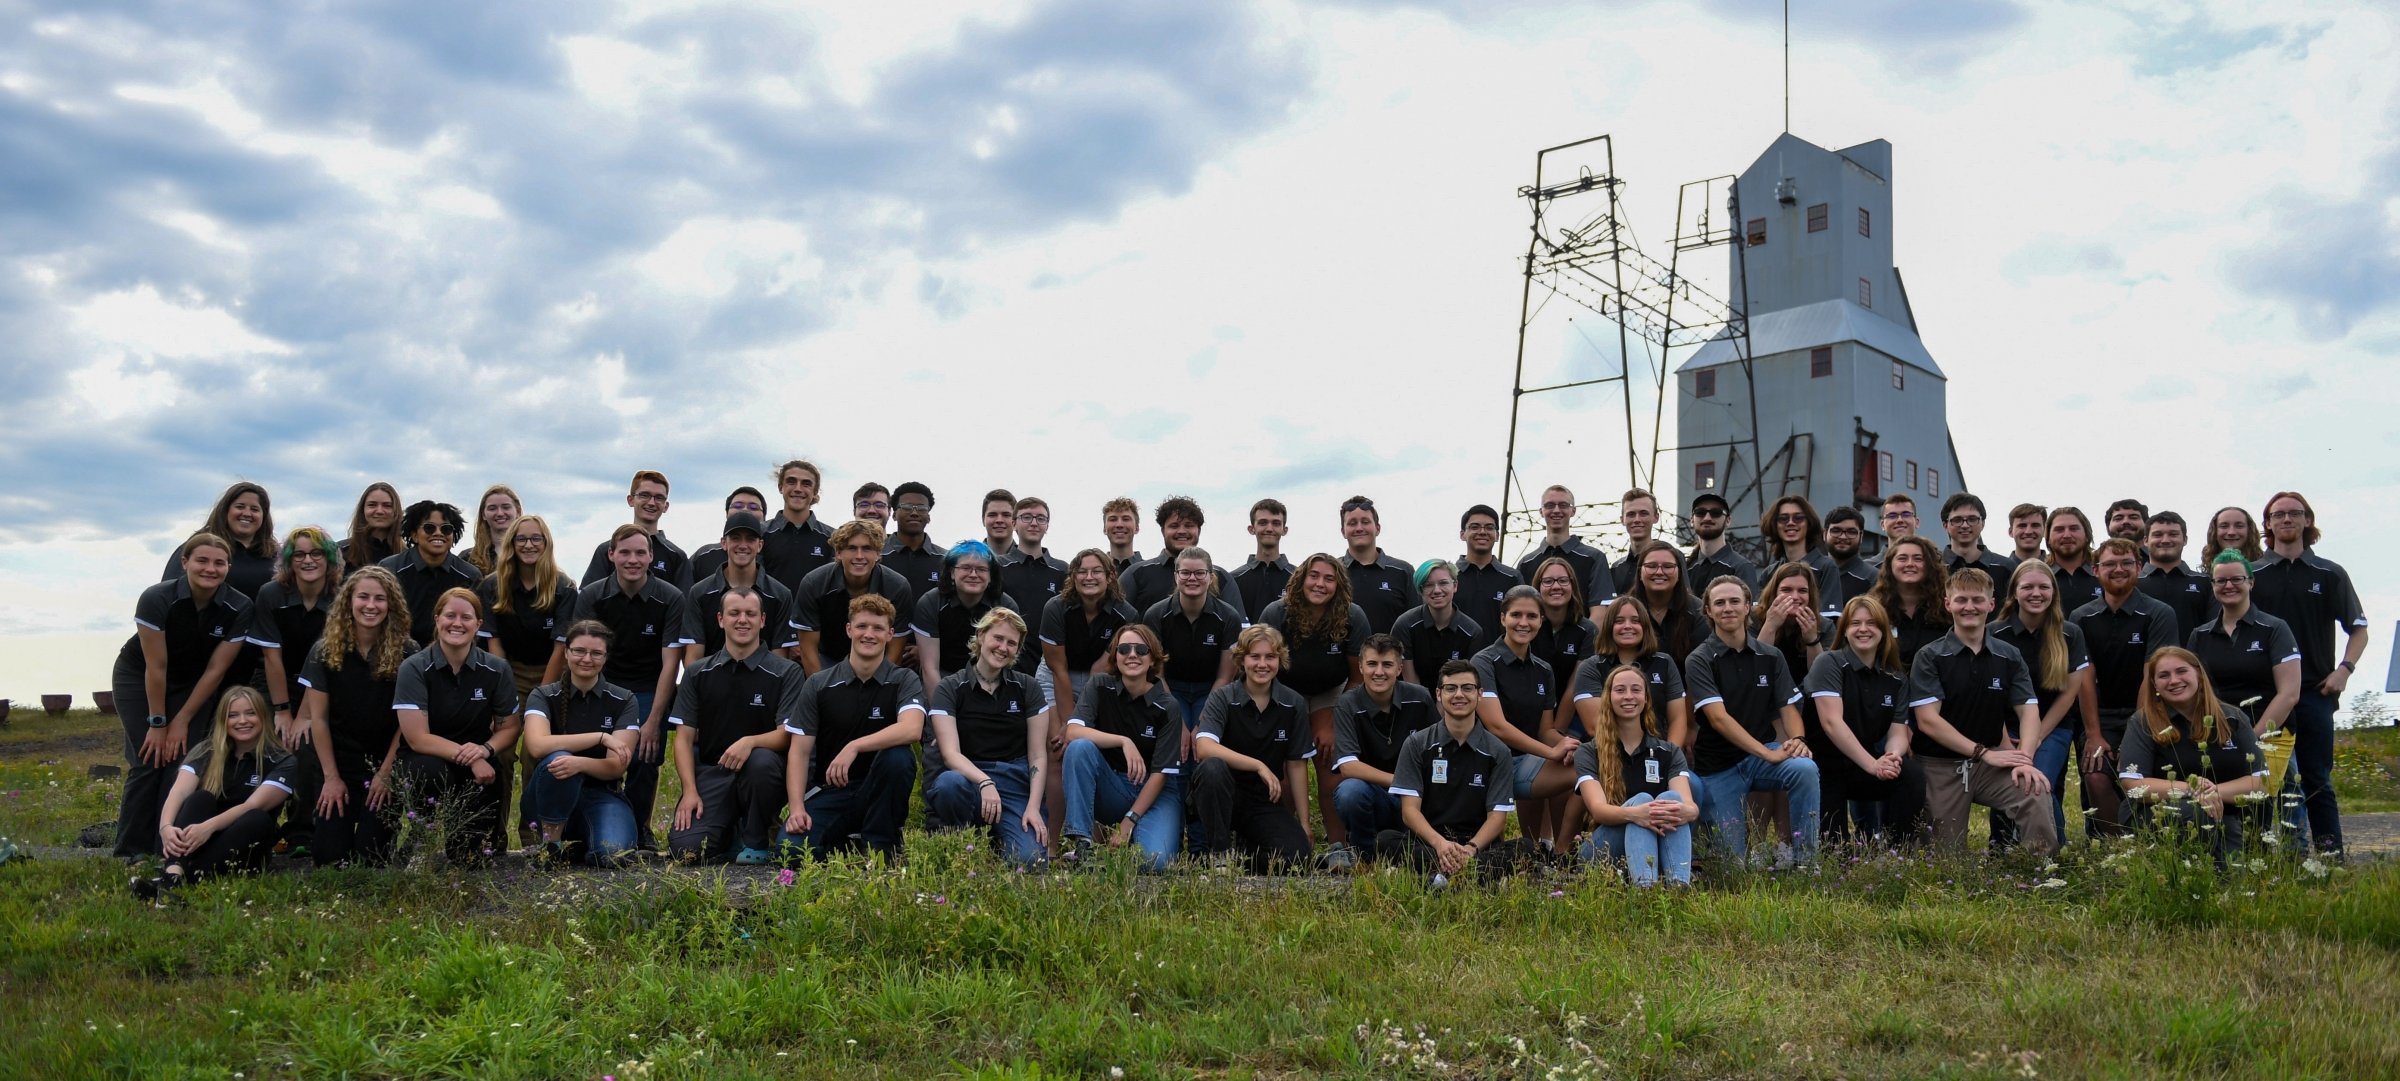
{"x": 1899, "y": 516}
{"x": 2221, "y": 583}
{"x": 1964, "y": 519}
{"x": 2286, "y": 515}
{"x": 1191, "y": 574}
{"x": 978, "y": 569}
{"x": 649, "y": 497}
{"x": 912, "y": 508}
{"x": 870, "y": 504}
{"x": 587, "y": 654}
{"x": 1461, "y": 688}
{"x": 1132, "y": 649}
{"x": 534, "y": 539}
{"x": 311, "y": 553}
{"x": 1033, "y": 517}
{"x": 1555, "y": 505}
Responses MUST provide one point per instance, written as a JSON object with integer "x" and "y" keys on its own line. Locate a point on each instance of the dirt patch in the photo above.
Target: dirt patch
{"x": 60, "y": 747}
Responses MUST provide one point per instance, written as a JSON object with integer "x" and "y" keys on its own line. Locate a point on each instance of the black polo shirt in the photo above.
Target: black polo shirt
{"x": 1856, "y": 577}
{"x": 606, "y": 709}
{"x": 1700, "y": 570}
{"x": 1153, "y": 580}
{"x": 422, "y": 584}
{"x": 1524, "y": 688}
{"x": 1796, "y": 660}
{"x": 192, "y": 632}
{"x": 1564, "y": 647}
{"x": 1665, "y": 676}
{"x": 1753, "y": 685}
{"x": 1480, "y": 590}
{"x": 1195, "y": 647}
{"x": 2183, "y": 590}
{"x": 1873, "y": 700}
{"x": 644, "y": 624}
{"x": 2077, "y": 587}
{"x": 1371, "y": 734}
{"x": 1319, "y": 662}
{"x": 460, "y": 704}
{"x": 2314, "y": 595}
{"x": 2233, "y": 756}
{"x": 1271, "y": 735}
{"x": 1649, "y": 769}
{"x": 990, "y": 724}
{"x": 2242, "y": 663}
{"x": 1989, "y": 562}
{"x": 790, "y": 551}
{"x": 921, "y": 568}
{"x": 1591, "y": 568}
{"x": 1822, "y": 568}
{"x": 1978, "y": 691}
{"x": 1126, "y": 563}
{"x": 1458, "y": 783}
{"x": 2120, "y": 642}
{"x": 1032, "y": 581}
{"x": 1679, "y": 630}
{"x": 706, "y": 560}
{"x": 526, "y": 632}
{"x": 838, "y": 706}
{"x": 1382, "y": 589}
{"x": 358, "y": 706}
{"x": 951, "y": 624}
{"x": 1429, "y": 647}
{"x": 280, "y": 620}
{"x": 1912, "y": 632}
{"x": 1622, "y": 572}
{"x": 668, "y": 563}
{"x": 726, "y": 698}
{"x": 705, "y": 599}
{"x": 247, "y": 571}
{"x": 2078, "y": 657}
{"x": 1153, "y": 721}
{"x": 822, "y": 604}
{"x": 241, "y": 775}
{"x": 1261, "y": 584}
{"x": 1084, "y": 637}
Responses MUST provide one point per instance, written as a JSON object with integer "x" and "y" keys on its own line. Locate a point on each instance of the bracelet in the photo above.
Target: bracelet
{"x": 2348, "y": 666}
{"x": 1980, "y": 751}
{"x": 987, "y": 783}
{"x": 283, "y": 707}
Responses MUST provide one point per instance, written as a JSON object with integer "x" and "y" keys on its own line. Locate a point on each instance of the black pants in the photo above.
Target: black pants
{"x": 357, "y": 835}
{"x": 145, "y": 784}
{"x": 300, "y": 811}
{"x": 1227, "y": 815}
{"x": 242, "y": 846}
{"x": 468, "y": 815}
{"x": 1408, "y": 849}
{"x": 1893, "y": 810}
{"x": 737, "y": 810}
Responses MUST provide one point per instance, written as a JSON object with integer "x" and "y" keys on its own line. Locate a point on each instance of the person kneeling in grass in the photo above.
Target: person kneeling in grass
{"x": 1637, "y": 787}
{"x": 2188, "y": 752}
{"x": 852, "y": 737}
{"x": 1974, "y": 703}
{"x": 580, "y": 731}
{"x": 1246, "y": 783}
{"x": 1456, "y": 786}
{"x": 989, "y": 720}
{"x": 729, "y": 721}
{"x": 220, "y": 812}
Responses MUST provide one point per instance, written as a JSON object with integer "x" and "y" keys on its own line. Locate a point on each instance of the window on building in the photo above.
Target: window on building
{"x": 1912, "y": 473}
{"x": 1817, "y": 216}
{"x": 1933, "y": 481}
{"x": 1704, "y": 383}
{"x": 1884, "y": 458}
{"x": 1757, "y": 232}
{"x": 1866, "y": 293}
{"x": 1899, "y": 378}
{"x": 1820, "y": 362}
{"x": 1704, "y": 476}
{"x": 1866, "y": 222}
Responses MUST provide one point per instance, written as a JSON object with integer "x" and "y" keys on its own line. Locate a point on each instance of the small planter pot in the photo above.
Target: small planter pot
{"x": 56, "y": 704}
{"x": 106, "y": 700}
{"x": 4, "y": 704}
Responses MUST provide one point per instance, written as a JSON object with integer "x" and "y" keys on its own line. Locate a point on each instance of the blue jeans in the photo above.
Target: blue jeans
{"x": 1646, "y": 854}
{"x": 592, "y": 814}
{"x": 1365, "y": 809}
{"x": 1191, "y": 695}
{"x": 2311, "y": 723}
{"x": 1723, "y": 795}
{"x": 873, "y": 808}
{"x": 1095, "y": 792}
{"x": 641, "y": 778}
{"x": 959, "y": 800}
{"x": 2057, "y": 749}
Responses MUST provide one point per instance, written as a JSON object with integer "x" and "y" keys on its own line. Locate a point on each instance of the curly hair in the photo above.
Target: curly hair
{"x": 1328, "y": 623}
{"x": 341, "y": 625}
{"x": 1935, "y": 587}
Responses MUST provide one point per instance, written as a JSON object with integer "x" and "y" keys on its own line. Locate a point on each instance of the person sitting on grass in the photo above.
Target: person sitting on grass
{"x": 1123, "y": 762}
{"x": 729, "y": 719}
{"x": 1250, "y": 769}
{"x": 220, "y": 812}
{"x": 988, "y": 720}
{"x": 1637, "y": 787}
{"x": 580, "y": 732}
{"x": 852, "y": 762}
{"x": 1456, "y": 788}
{"x": 2188, "y": 753}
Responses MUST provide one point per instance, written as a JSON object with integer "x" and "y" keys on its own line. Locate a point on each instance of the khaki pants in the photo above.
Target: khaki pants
{"x": 1953, "y": 784}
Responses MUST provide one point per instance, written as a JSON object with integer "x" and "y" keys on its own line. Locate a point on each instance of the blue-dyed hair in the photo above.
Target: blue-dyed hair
{"x": 963, "y": 550}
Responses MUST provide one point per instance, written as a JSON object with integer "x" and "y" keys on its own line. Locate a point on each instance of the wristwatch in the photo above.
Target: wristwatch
{"x": 2348, "y": 666}
{"x": 158, "y": 720}
{"x": 1134, "y": 817}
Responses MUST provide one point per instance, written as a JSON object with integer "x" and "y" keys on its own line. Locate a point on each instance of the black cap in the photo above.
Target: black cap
{"x": 742, "y": 519}
{"x": 1710, "y": 497}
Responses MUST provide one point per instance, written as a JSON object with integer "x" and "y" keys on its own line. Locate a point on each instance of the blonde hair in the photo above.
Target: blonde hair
{"x": 220, "y": 744}
{"x": 486, "y": 554}
{"x": 1612, "y": 771}
{"x": 2049, "y": 630}
{"x": 995, "y": 617}
{"x": 510, "y": 571}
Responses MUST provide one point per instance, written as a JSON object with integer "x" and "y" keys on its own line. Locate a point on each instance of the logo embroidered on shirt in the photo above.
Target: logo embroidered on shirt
{"x": 1762, "y": 681}
{"x": 1012, "y": 708}
{"x": 1384, "y": 586}
{"x": 649, "y": 629}
{"x": 2316, "y": 587}
{"x": 2135, "y": 640}
{"x": 2256, "y": 647}
{"x": 1208, "y": 640}
{"x": 1995, "y": 683}
{"x": 478, "y": 697}
{"x": 875, "y": 713}
{"x": 758, "y": 698}
{"x": 1279, "y": 734}
{"x": 1887, "y": 701}
{"x": 1539, "y": 688}
{"x": 1475, "y": 781}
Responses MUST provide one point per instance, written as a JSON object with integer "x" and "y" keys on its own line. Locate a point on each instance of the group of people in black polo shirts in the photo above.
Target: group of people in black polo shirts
{"x": 335, "y": 696}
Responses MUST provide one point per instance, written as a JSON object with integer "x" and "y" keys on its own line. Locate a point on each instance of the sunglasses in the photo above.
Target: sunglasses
{"x": 1132, "y": 649}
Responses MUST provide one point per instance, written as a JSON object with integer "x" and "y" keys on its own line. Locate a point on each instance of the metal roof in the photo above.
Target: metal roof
{"x": 1826, "y": 322}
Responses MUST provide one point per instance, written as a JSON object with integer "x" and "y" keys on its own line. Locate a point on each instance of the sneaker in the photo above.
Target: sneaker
{"x": 1440, "y": 881}
{"x": 1340, "y": 857}
{"x": 752, "y": 857}
{"x": 1785, "y": 859}
{"x": 1075, "y": 851}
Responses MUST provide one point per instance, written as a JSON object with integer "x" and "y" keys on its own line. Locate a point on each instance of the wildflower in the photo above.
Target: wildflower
{"x": 786, "y": 878}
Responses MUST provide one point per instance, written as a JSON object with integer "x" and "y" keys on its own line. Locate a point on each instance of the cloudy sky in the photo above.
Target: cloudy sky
{"x": 1085, "y": 248}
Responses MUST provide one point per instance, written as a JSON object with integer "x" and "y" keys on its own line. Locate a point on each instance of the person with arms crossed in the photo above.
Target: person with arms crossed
{"x": 853, "y": 733}
{"x": 729, "y": 720}
{"x": 1451, "y": 780}
{"x": 2313, "y": 595}
{"x": 1750, "y": 739}
{"x": 1636, "y": 786}
{"x": 1370, "y": 721}
{"x": 1246, "y": 780}
{"x": 990, "y": 724}
{"x": 1973, "y": 700}
{"x": 579, "y": 733}
{"x": 1124, "y": 755}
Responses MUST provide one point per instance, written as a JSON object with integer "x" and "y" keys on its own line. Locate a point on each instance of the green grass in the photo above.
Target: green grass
{"x": 2122, "y": 962}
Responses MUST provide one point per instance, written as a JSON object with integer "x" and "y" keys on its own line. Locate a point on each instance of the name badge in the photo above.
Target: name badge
{"x": 1441, "y": 771}
{"x": 1650, "y": 770}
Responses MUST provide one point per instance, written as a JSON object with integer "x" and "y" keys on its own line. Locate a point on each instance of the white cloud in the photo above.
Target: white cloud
{"x": 141, "y": 320}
